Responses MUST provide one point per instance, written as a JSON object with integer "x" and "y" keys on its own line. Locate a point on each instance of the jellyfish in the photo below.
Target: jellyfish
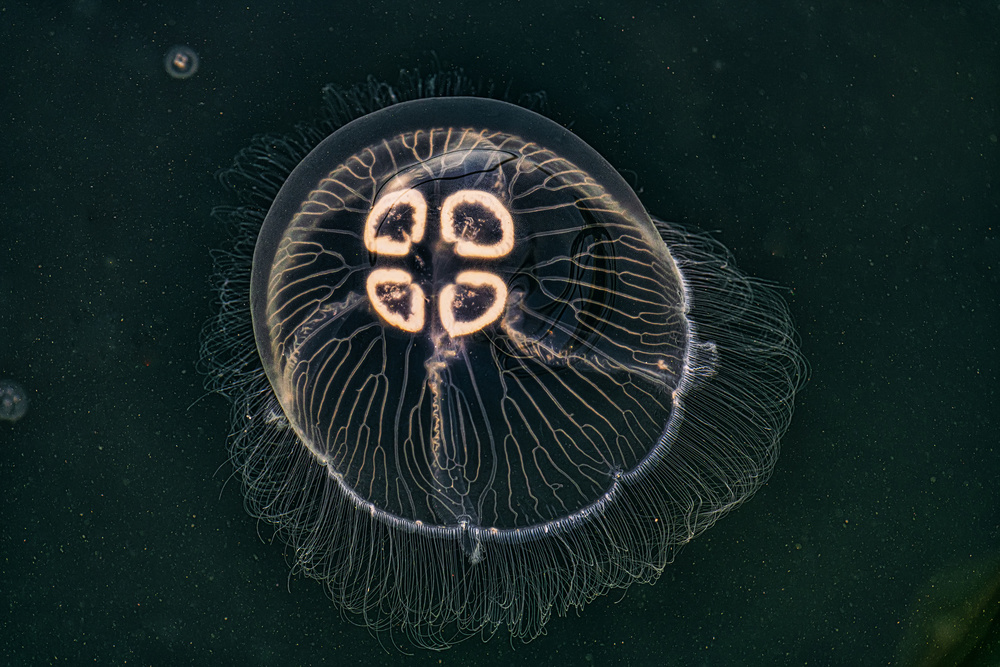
{"x": 474, "y": 381}
{"x": 13, "y": 401}
{"x": 181, "y": 62}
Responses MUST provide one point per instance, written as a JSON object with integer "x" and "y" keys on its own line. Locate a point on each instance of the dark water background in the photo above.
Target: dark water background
{"x": 848, "y": 153}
